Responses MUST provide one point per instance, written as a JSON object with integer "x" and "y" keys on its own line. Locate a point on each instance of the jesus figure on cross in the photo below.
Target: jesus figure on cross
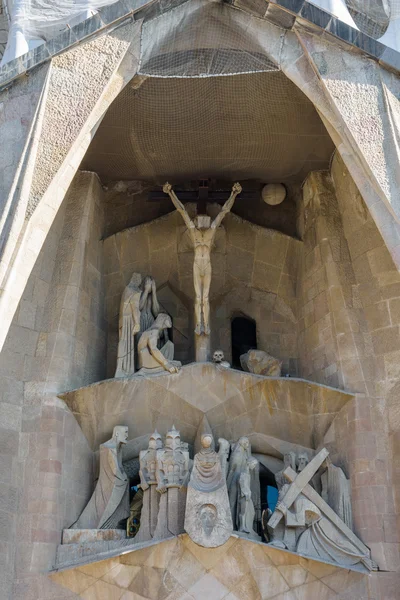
{"x": 202, "y": 233}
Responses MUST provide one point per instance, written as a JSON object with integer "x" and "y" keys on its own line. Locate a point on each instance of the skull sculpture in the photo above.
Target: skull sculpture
{"x": 218, "y": 358}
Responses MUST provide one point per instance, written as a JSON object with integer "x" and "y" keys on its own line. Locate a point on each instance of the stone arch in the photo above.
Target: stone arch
{"x": 315, "y": 66}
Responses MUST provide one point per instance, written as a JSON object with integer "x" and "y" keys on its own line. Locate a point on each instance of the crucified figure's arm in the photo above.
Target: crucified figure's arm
{"x": 236, "y": 189}
{"x": 167, "y": 189}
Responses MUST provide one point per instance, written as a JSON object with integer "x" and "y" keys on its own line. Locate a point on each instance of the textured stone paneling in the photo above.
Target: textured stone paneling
{"x": 80, "y": 90}
{"x": 77, "y": 80}
{"x": 369, "y": 431}
{"x": 331, "y": 322}
{"x": 360, "y": 105}
{"x": 18, "y": 107}
{"x": 238, "y": 570}
{"x": 236, "y": 404}
{"x": 57, "y": 340}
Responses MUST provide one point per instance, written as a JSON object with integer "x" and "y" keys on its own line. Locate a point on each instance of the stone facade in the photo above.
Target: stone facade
{"x": 327, "y": 304}
{"x": 56, "y": 341}
{"x": 238, "y": 570}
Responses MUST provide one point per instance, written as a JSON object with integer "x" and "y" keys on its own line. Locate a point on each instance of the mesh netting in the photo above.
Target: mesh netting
{"x": 258, "y": 126}
{"x": 202, "y": 39}
{"x": 372, "y": 16}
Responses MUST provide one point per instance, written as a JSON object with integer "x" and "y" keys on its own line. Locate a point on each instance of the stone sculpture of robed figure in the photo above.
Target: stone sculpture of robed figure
{"x": 202, "y": 232}
{"x": 138, "y": 311}
{"x": 109, "y": 504}
{"x": 208, "y": 518}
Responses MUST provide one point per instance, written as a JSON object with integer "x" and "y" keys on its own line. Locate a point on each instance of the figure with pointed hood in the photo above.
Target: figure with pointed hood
{"x": 208, "y": 520}
{"x": 172, "y": 476}
{"x": 148, "y": 483}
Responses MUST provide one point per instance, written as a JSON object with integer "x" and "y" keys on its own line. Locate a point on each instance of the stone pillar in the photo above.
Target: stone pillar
{"x": 202, "y": 348}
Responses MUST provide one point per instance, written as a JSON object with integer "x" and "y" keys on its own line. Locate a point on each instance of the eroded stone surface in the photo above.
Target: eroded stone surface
{"x": 239, "y": 569}
{"x": 236, "y": 404}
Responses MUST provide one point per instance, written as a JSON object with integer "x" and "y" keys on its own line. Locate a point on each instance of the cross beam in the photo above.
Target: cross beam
{"x": 202, "y": 196}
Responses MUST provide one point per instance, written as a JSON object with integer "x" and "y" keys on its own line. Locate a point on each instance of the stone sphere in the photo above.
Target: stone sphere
{"x": 273, "y": 193}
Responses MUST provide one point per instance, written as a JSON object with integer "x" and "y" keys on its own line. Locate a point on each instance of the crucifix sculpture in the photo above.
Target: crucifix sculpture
{"x": 202, "y": 233}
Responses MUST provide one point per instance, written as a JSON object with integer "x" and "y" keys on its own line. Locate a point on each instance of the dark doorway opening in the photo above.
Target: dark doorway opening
{"x": 244, "y": 338}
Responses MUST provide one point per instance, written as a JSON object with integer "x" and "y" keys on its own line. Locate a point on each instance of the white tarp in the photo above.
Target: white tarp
{"x": 376, "y": 10}
{"x": 35, "y": 21}
{"x": 41, "y": 20}
{"x": 45, "y": 18}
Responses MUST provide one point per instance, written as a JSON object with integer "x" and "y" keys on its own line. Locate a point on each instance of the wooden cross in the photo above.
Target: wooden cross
{"x": 202, "y": 196}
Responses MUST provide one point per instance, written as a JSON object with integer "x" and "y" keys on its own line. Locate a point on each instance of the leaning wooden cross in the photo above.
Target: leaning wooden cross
{"x": 299, "y": 484}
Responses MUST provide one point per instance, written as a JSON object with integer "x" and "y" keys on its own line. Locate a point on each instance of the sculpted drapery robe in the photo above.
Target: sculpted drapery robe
{"x": 109, "y": 503}
{"x": 129, "y": 325}
{"x": 208, "y": 521}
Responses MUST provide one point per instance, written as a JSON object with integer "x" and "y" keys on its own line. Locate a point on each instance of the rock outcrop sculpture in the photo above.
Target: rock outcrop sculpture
{"x": 261, "y": 363}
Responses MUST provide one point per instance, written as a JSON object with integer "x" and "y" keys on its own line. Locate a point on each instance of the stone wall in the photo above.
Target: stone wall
{"x": 348, "y": 293}
{"x": 331, "y": 322}
{"x": 254, "y": 271}
{"x": 56, "y": 341}
{"x": 370, "y": 430}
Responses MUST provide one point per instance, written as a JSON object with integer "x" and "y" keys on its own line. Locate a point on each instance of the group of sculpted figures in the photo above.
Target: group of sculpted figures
{"x": 143, "y": 329}
{"x": 181, "y": 494}
{"x": 218, "y": 493}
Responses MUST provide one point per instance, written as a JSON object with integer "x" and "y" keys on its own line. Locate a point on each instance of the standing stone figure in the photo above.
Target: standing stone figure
{"x": 202, "y": 233}
{"x": 109, "y": 503}
{"x": 277, "y": 534}
{"x": 336, "y": 492}
{"x": 138, "y": 310}
{"x": 223, "y": 452}
{"x": 246, "y": 507}
{"x": 152, "y": 359}
{"x": 172, "y": 477}
{"x": 148, "y": 483}
{"x": 241, "y": 461}
{"x": 129, "y": 326}
{"x": 208, "y": 519}
{"x": 149, "y": 306}
{"x": 289, "y": 460}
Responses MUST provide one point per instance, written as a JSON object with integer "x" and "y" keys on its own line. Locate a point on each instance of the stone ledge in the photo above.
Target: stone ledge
{"x": 236, "y": 404}
{"x": 80, "y": 536}
{"x": 78, "y": 555}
